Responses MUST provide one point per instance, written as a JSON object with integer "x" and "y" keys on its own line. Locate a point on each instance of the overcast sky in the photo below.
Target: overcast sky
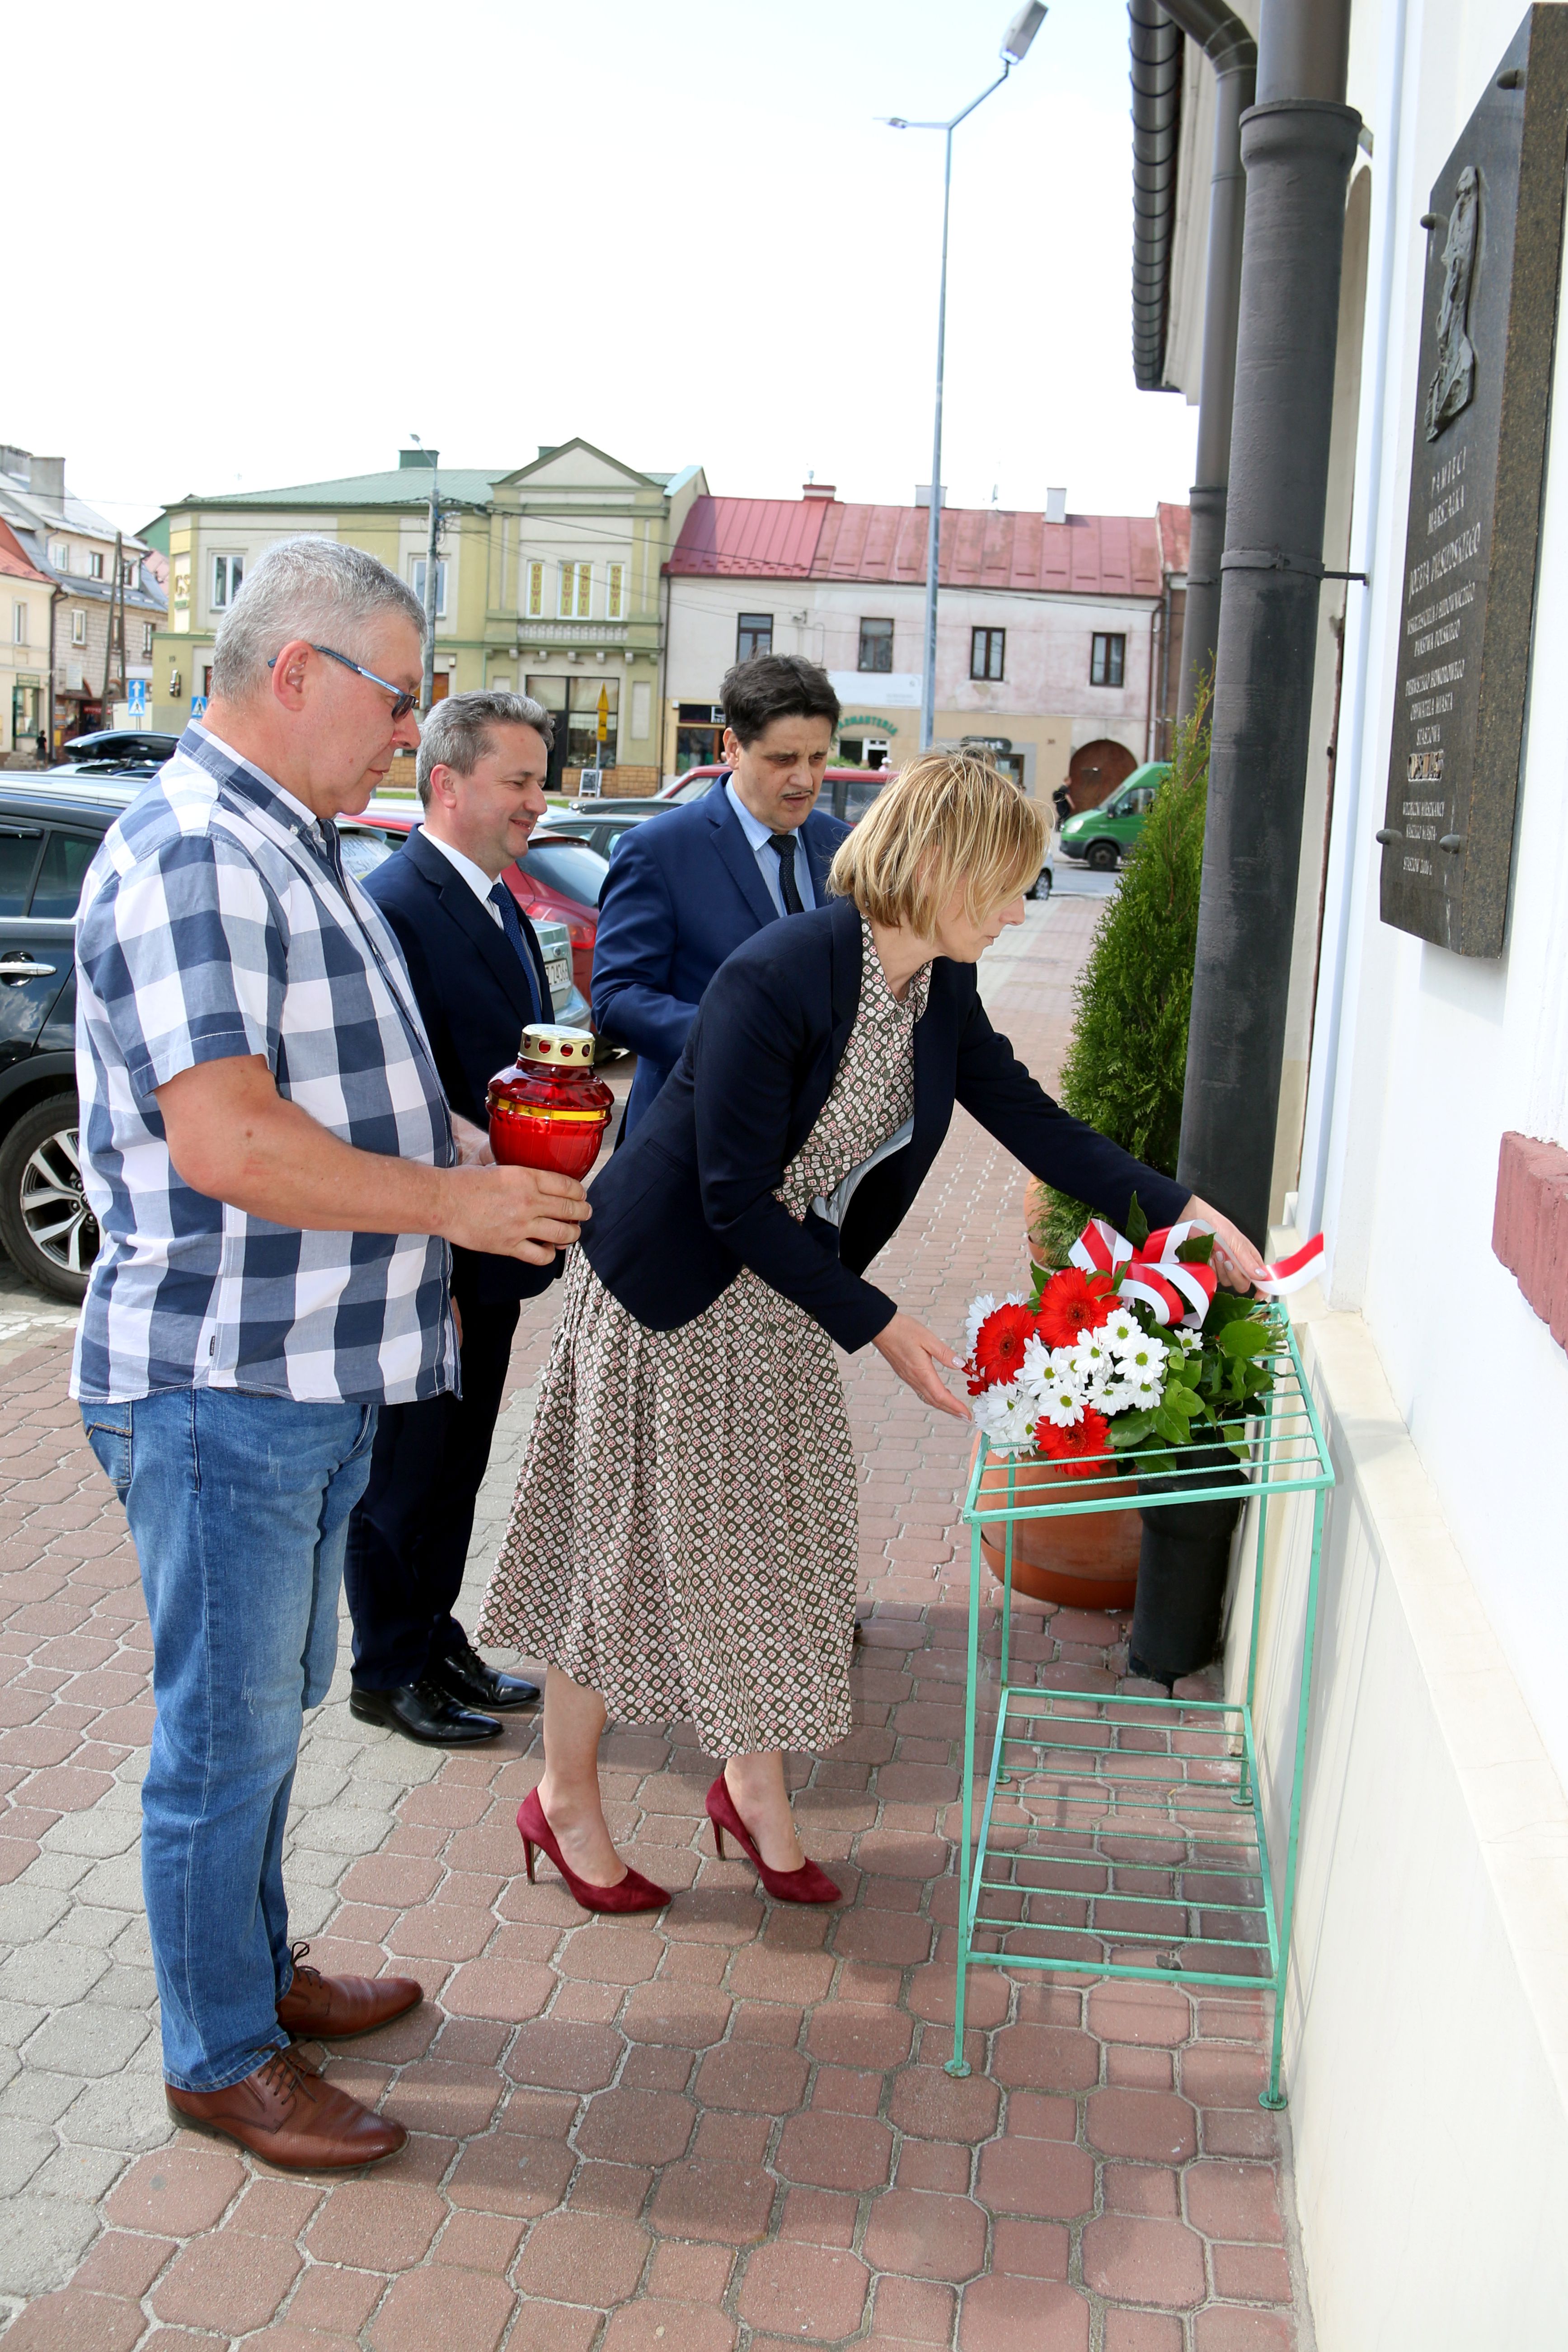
{"x": 677, "y": 230}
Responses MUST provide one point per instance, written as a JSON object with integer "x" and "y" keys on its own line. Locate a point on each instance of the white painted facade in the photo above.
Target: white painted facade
{"x": 1044, "y": 703}
{"x": 1426, "y": 2044}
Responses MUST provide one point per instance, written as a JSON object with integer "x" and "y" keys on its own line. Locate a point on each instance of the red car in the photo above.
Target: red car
{"x": 554, "y": 881}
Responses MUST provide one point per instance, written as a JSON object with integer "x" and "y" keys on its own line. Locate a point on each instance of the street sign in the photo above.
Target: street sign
{"x": 198, "y": 706}
{"x": 603, "y": 727}
{"x": 136, "y": 700}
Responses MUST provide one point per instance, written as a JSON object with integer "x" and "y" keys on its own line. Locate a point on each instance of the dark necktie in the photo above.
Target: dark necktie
{"x": 505, "y": 906}
{"x": 782, "y": 844}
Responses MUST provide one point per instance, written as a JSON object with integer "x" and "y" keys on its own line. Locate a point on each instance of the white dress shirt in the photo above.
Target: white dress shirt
{"x": 760, "y": 837}
{"x": 477, "y": 880}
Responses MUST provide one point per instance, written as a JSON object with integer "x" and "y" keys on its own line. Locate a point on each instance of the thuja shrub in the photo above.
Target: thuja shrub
{"x": 1128, "y": 1060}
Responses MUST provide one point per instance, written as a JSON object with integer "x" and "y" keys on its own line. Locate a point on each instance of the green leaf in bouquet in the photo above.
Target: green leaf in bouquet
{"x": 1245, "y": 1339}
{"x": 1227, "y": 1307}
{"x": 1137, "y": 1226}
{"x": 1180, "y": 1399}
{"x": 1170, "y": 1427}
{"x": 1130, "y": 1429}
{"x": 1196, "y": 1250}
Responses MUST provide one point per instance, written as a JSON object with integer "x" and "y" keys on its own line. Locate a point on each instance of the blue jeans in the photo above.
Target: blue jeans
{"x": 239, "y": 1509}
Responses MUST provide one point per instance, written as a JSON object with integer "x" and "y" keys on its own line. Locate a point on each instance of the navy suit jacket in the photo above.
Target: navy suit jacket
{"x": 473, "y": 996}
{"x": 691, "y": 1198}
{"x": 683, "y": 892}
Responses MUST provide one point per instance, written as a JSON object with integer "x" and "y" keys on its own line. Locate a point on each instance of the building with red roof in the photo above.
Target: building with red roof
{"x": 1054, "y": 631}
{"x": 25, "y": 598}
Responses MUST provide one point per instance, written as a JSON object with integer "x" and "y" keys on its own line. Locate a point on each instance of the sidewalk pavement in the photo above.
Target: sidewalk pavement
{"x": 728, "y": 2129}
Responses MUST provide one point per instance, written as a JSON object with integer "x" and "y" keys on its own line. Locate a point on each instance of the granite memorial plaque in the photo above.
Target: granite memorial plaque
{"x": 1494, "y": 242}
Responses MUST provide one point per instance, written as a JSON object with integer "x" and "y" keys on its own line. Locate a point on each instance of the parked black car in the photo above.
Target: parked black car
{"x": 117, "y": 751}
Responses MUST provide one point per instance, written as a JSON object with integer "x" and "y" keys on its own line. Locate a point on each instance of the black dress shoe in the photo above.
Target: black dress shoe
{"x": 464, "y": 1675}
{"x": 422, "y": 1711}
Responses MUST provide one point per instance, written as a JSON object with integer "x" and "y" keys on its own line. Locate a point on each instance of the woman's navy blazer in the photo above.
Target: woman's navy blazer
{"x": 689, "y": 1198}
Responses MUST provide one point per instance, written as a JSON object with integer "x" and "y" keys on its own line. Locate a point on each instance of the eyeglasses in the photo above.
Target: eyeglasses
{"x": 402, "y": 703}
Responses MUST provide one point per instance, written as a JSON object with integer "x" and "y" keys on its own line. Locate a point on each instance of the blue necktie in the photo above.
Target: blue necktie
{"x": 505, "y": 906}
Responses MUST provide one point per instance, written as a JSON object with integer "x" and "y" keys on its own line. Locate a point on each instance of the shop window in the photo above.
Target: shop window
{"x": 576, "y": 591}
{"x": 584, "y": 749}
{"x": 228, "y": 570}
{"x": 78, "y": 625}
{"x": 534, "y": 597}
{"x": 614, "y": 594}
{"x": 421, "y": 566}
{"x": 877, "y": 645}
{"x": 987, "y": 654}
{"x": 754, "y": 636}
{"x": 1107, "y": 660}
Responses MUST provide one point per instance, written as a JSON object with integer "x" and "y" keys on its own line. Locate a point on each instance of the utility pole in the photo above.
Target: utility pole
{"x": 432, "y": 558}
{"x": 115, "y": 591}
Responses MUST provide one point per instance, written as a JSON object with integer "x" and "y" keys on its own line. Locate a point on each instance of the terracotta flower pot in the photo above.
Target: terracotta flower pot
{"x": 1087, "y": 1561}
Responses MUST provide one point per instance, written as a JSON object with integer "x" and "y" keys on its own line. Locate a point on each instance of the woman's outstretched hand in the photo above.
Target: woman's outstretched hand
{"x": 1236, "y": 1262}
{"x": 914, "y": 1354}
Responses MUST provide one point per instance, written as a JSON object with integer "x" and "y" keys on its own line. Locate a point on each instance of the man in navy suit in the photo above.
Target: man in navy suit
{"x": 685, "y": 890}
{"x": 479, "y": 978}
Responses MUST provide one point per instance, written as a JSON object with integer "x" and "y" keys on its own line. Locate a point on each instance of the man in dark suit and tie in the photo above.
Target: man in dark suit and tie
{"x": 480, "y": 977}
{"x": 685, "y": 890}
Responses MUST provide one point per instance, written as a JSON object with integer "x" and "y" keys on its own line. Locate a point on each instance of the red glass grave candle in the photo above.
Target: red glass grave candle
{"x": 549, "y": 1110}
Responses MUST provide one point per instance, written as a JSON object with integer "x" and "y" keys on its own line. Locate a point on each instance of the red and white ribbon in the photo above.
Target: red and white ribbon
{"x": 1302, "y": 1266}
{"x": 1173, "y": 1290}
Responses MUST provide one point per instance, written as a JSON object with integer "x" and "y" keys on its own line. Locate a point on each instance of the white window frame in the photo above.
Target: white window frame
{"x": 149, "y": 630}
{"x": 615, "y": 592}
{"x": 95, "y": 563}
{"x": 231, "y": 587}
{"x": 19, "y": 621}
{"x": 416, "y": 581}
{"x": 60, "y": 554}
{"x": 533, "y": 596}
{"x": 78, "y": 625}
{"x": 576, "y": 592}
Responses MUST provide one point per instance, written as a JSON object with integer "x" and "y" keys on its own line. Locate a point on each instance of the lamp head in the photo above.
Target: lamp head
{"x": 1022, "y": 30}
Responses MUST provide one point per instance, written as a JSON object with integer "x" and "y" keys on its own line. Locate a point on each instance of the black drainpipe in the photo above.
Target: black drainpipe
{"x": 1298, "y": 144}
{"x": 1156, "y": 66}
{"x": 1233, "y": 53}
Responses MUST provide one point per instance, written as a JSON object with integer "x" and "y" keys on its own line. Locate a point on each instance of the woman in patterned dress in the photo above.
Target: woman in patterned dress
{"x": 683, "y": 1539}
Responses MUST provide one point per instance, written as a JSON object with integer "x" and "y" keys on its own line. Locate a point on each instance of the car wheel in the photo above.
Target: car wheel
{"x": 1102, "y": 857}
{"x": 44, "y": 1221}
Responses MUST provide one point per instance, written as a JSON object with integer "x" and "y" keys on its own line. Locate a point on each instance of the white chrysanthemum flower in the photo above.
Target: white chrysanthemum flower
{"x": 1062, "y": 1404}
{"x": 1007, "y": 1417}
{"x": 1122, "y": 1396}
{"x": 1091, "y": 1359}
{"x": 1141, "y": 1358}
{"x": 1121, "y": 1329}
{"x": 1037, "y": 1369}
{"x": 1147, "y": 1388}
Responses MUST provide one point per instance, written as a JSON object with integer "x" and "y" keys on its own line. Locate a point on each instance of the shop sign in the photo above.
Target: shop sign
{"x": 1479, "y": 446}
{"x": 864, "y": 718}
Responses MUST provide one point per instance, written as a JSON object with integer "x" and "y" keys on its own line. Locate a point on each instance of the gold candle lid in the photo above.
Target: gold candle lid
{"x": 543, "y": 1042}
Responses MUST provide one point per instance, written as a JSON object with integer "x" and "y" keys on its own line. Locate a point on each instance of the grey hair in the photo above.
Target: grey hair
{"x": 308, "y": 587}
{"x": 456, "y": 733}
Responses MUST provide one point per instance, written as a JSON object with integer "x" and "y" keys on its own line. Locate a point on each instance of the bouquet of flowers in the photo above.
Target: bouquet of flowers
{"x": 1130, "y": 1345}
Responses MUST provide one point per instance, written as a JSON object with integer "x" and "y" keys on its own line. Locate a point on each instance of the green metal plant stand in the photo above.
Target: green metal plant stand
{"x": 1125, "y": 1836}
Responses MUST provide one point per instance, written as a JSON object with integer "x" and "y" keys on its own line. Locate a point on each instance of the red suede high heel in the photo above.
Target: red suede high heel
{"x": 806, "y": 1884}
{"x": 632, "y": 1892}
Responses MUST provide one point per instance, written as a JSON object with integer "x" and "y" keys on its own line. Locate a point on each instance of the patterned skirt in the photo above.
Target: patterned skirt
{"x": 684, "y": 1534}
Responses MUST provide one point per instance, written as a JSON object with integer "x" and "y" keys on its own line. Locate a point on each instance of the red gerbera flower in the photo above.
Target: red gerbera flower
{"x": 999, "y": 1348}
{"x": 1073, "y": 1302}
{"x": 1079, "y": 1451}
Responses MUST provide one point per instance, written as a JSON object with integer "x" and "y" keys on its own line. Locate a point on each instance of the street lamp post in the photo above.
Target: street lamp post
{"x": 1015, "y": 43}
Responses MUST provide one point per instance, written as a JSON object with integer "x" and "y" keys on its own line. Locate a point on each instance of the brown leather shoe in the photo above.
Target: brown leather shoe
{"x": 294, "y": 2118}
{"x": 331, "y": 2008}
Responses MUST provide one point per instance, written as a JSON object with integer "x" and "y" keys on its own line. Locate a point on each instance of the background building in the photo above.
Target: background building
{"x": 547, "y": 583}
{"x": 27, "y": 597}
{"x": 70, "y": 545}
{"x": 1052, "y": 638}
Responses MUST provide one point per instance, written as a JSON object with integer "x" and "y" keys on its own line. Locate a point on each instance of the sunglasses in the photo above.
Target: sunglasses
{"x": 402, "y": 703}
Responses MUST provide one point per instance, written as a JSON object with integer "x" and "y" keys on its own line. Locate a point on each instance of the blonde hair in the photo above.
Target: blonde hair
{"x": 950, "y": 818}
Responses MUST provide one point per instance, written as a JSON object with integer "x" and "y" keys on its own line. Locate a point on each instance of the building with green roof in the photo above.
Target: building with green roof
{"x": 549, "y": 583}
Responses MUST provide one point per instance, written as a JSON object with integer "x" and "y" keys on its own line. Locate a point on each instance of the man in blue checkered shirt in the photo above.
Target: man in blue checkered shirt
{"x": 276, "y": 1180}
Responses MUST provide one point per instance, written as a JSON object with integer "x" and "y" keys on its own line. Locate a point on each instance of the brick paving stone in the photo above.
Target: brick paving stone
{"x": 732, "y": 2121}
{"x": 1135, "y": 2259}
